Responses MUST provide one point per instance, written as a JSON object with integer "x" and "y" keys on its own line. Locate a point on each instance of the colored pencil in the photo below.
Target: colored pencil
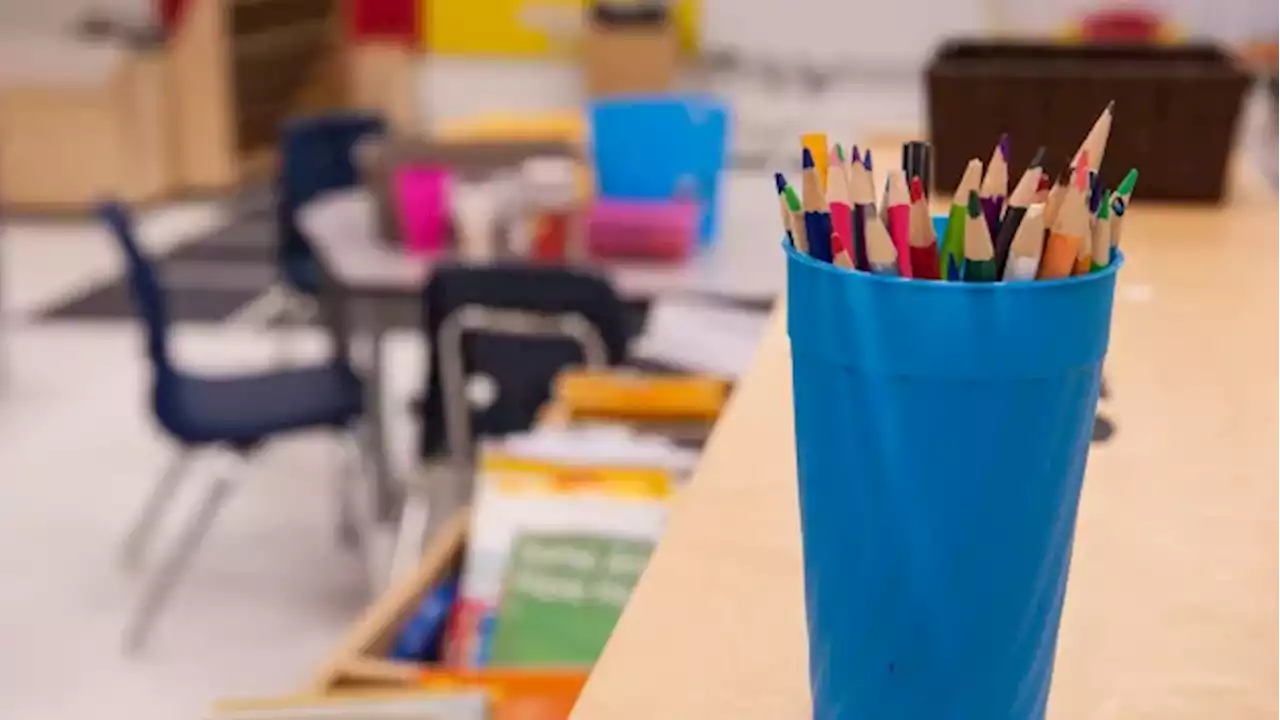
{"x": 1120, "y": 205}
{"x": 837, "y": 158}
{"x": 838, "y": 199}
{"x": 1024, "y": 194}
{"x": 995, "y": 185}
{"x": 979, "y": 255}
{"x": 917, "y": 161}
{"x": 861, "y": 193}
{"x": 870, "y": 178}
{"x": 1069, "y": 231}
{"x": 1042, "y": 190}
{"x": 881, "y": 256}
{"x": 816, "y": 144}
{"x": 1102, "y": 235}
{"x": 781, "y": 182}
{"x": 1023, "y": 262}
{"x": 1084, "y": 251}
{"x": 924, "y": 242}
{"x": 840, "y": 252}
{"x": 898, "y": 214}
{"x": 1095, "y": 143}
{"x": 817, "y": 218}
{"x": 1057, "y": 193}
{"x": 952, "y": 254}
{"x": 798, "y": 235}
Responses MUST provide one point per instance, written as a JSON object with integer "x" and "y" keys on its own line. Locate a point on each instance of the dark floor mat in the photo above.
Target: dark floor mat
{"x": 114, "y": 302}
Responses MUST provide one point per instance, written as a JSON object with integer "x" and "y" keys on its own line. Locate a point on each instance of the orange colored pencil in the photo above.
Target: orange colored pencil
{"x": 1071, "y": 228}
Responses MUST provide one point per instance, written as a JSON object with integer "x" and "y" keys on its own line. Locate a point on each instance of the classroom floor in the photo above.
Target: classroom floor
{"x": 270, "y": 592}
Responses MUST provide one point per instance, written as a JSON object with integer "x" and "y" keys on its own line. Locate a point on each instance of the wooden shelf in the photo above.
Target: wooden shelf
{"x": 244, "y": 67}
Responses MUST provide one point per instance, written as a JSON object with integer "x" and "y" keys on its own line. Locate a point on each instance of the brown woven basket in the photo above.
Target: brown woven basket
{"x": 1176, "y": 110}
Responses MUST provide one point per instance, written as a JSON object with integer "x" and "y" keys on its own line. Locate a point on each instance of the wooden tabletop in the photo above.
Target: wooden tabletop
{"x": 1170, "y": 610}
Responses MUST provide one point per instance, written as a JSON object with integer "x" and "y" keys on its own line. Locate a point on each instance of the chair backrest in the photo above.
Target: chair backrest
{"x": 521, "y": 362}
{"x": 315, "y": 157}
{"x": 660, "y": 147}
{"x": 144, "y": 281}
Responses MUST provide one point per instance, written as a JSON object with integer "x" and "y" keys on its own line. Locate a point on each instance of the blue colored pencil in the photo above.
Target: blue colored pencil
{"x": 817, "y": 215}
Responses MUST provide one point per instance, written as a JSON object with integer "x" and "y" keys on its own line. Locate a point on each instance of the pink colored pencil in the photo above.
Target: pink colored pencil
{"x": 838, "y": 198}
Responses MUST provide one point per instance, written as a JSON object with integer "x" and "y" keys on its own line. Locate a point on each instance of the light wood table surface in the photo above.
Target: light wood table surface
{"x": 1171, "y": 605}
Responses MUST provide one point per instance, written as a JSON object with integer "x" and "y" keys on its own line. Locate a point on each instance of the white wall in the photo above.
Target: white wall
{"x": 55, "y": 16}
{"x": 872, "y": 35}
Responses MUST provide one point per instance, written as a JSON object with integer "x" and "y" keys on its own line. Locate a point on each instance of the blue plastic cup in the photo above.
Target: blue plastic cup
{"x": 942, "y": 430}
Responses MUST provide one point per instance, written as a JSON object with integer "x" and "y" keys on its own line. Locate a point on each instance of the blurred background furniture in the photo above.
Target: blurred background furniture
{"x": 237, "y": 414}
{"x": 1180, "y": 103}
{"x": 81, "y": 120}
{"x": 316, "y": 156}
{"x": 617, "y": 36}
{"x": 662, "y": 147}
{"x": 239, "y": 69}
{"x": 497, "y": 337}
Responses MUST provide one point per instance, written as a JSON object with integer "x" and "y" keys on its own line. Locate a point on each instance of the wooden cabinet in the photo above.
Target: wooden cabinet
{"x": 238, "y": 70}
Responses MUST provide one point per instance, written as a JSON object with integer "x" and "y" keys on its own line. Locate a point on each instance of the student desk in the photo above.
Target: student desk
{"x": 366, "y": 272}
{"x": 1170, "y": 610}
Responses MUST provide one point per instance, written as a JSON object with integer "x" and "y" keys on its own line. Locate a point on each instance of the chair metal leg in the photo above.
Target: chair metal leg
{"x": 165, "y": 577}
{"x": 139, "y": 536}
{"x": 357, "y": 522}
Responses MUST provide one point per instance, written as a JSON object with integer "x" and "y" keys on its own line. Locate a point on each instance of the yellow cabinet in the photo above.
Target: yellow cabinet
{"x": 521, "y": 28}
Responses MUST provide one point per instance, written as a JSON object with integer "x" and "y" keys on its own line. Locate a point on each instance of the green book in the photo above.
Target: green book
{"x": 562, "y": 596}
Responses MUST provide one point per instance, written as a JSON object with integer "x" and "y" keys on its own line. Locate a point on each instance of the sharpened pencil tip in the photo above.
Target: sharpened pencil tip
{"x": 780, "y": 181}
{"x": 917, "y": 189}
{"x": 838, "y": 153}
{"x": 1111, "y": 107}
{"x": 1037, "y": 160}
{"x": 1004, "y": 146}
{"x": 866, "y": 159}
{"x": 975, "y": 205}
{"x": 806, "y": 159}
{"x": 855, "y": 155}
{"x": 1126, "y": 185}
{"x": 1045, "y": 183}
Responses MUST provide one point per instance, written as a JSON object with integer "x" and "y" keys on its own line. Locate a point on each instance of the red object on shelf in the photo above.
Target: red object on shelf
{"x": 383, "y": 20}
{"x": 1124, "y": 26}
{"x": 170, "y": 13}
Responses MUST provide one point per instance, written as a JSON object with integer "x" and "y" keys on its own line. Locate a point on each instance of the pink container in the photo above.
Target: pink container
{"x": 662, "y": 230}
{"x": 422, "y": 198}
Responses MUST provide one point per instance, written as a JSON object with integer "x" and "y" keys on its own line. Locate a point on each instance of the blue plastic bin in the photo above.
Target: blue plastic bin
{"x": 941, "y": 437}
{"x": 646, "y": 147}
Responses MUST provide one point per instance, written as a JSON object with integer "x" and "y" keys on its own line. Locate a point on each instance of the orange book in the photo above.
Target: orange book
{"x": 626, "y": 395}
{"x": 516, "y": 694}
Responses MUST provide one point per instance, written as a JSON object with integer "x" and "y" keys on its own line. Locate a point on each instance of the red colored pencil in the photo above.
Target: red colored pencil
{"x": 898, "y": 218}
{"x": 924, "y": 242}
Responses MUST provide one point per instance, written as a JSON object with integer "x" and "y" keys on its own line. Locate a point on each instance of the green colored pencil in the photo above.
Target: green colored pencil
{"x": 979, "y": 253}
{"x": 951, "y": 255}
{"x": 1120, "y": 205}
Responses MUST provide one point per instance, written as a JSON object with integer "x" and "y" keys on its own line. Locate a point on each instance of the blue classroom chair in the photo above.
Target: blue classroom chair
{"x": 315, "y": 158}
{"x": 651, "y": 147}
{"x": 236, "y": 413}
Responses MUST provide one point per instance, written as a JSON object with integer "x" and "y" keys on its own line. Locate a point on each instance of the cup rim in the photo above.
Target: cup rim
{"x": 794, "y": 255}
